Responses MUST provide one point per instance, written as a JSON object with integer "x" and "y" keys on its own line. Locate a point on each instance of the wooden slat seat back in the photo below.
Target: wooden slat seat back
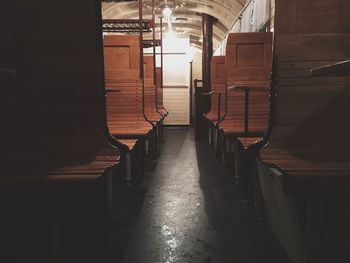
{"x": 52, "y": 106}
{"x": 304, "y": 168}
{"x": 125, "y": 111}
{"x": 311, "y": 113}
{"x": 218, "y": 89}
{"x": 248, "y": 67}
{"x": 150, "y": 90}
{"x": 160, "y": 106}
{"x": 124, "y": 87}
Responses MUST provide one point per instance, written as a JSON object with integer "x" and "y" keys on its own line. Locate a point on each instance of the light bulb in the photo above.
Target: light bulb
{"x": 167, "y": 11}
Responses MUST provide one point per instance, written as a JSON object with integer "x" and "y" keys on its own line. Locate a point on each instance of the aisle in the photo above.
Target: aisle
{"x": 193, "y": 213}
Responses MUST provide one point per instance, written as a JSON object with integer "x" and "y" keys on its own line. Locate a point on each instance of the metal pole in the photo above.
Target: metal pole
{"x": 207, "y": 24}
{"x": 154, "y": 59}
{"x": 219, "y": 105}
{"x": 161, "y": 50}
{"x": 141, "y": 38}
{"x": 154, "y": 44}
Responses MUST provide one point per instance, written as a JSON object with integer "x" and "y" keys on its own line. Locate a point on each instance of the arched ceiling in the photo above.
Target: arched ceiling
{"x": 186, "y": 17}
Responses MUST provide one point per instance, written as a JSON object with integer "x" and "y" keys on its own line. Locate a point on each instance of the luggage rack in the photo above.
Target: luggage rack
{"x": 126, "y": 26}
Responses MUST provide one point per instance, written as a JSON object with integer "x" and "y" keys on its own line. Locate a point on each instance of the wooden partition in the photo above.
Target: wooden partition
{"x": 121, "y": 58}
{"x": 124, "y": 87}
{"x": 53, "y": 149}
{"x": 150, "y": 91}
{"x": 218, "y": 89}
{"x": 248, "y": 76}
{"x": 304, "y": 167}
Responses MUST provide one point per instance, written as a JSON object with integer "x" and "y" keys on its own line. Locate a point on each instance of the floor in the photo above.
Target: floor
{"x": 187, "y": 210}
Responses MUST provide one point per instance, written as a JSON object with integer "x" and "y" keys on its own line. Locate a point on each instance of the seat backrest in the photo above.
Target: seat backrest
{"x": 123, "y": 83}
{"x": 311, "y": 113}
{"x": 51, "y": 108}
{"x": 248, "y": 57}
{"x": 248, "y": 63}
{"x": 218, "y": 70}
{"x": 159, "y": 88}
{"x": 148, "y": 67}
{"x": 218, "y": 84}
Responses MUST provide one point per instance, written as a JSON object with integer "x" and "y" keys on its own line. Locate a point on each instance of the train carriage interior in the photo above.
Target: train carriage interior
{"x": 175, "y": 131}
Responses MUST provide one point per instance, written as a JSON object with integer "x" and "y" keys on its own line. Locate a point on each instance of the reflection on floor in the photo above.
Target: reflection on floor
{"x": 193, "y": 213}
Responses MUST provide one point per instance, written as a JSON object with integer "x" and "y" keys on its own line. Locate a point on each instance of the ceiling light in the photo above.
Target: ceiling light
{"x": 167, "y": 11}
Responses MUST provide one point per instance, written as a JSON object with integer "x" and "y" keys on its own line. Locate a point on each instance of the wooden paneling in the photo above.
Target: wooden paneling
{"x": 122, "y": 58}
{"x": 248, "y": 57}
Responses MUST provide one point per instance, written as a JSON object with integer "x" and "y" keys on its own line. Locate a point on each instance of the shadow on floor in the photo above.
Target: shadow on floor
{"x": 192, "y": 213}
{"x": 233, "y": 221}
{"x": 130, "y": 203}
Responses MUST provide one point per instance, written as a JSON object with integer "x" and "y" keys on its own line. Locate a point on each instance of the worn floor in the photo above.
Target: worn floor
{"x": 192, "y": 213}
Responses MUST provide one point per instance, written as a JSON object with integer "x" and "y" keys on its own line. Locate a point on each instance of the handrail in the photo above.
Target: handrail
{"x": 332, "y": 68}
{"x": 212, "y": 93}
{"x": 248, "y": 87}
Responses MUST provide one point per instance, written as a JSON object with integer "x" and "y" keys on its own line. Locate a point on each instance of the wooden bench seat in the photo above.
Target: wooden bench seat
{"x": 307, "y": 158}
{"x": 307, "y": 144}
{"x": 129, "y": 131}
{"x": 302, "y": 174}
{"x": 303, "y": 163}
{"x": 129, "y": 98}
{"x": 87, "y": 176}
{"x": 248, "y": 67}
{"x": 53, "y": 148}
{"x": 125, "y": 99}
{"x": 308, "y": 137}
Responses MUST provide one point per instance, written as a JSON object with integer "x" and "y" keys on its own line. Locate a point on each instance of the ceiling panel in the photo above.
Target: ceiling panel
{"x": 186, "y": 15}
